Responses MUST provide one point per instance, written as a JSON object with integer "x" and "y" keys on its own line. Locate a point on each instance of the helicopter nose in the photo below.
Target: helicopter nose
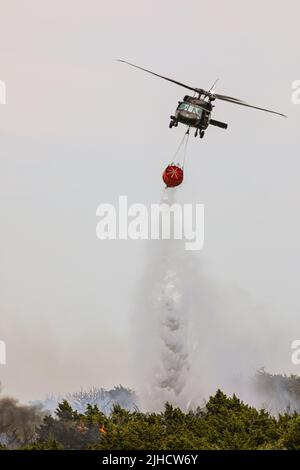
{"x": 186, "y": 116}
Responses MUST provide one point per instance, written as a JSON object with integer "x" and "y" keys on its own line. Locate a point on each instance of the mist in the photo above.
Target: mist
{"x": 66, "y": 297}
{"x": 193, "y": 336}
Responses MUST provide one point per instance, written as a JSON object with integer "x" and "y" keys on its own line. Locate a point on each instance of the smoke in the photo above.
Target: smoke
{"x": 18, "y": 423}
{"x": 104, "y": 399}
{"x": 279, "y": 393}
{"x": 193, "y": 336}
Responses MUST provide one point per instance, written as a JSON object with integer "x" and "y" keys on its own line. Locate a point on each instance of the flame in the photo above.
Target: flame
{"x": 102, "y": 430}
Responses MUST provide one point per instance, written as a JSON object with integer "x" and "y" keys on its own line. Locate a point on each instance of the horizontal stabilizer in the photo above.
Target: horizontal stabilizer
{"x": 223, "y": 125}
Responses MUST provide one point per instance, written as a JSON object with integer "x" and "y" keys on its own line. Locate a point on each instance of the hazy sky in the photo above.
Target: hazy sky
{"x": 80, "y": 128}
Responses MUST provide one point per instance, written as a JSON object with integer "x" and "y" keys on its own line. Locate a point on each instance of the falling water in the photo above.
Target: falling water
{"x": 165, "y": 322}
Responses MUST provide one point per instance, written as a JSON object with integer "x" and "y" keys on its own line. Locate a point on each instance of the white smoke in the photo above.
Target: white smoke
{"x": 193, "y": 336}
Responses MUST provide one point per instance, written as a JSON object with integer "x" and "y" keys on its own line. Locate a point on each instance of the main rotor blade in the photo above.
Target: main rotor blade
{"x": 160, "y": 76}
{"x": 230, "y": 99}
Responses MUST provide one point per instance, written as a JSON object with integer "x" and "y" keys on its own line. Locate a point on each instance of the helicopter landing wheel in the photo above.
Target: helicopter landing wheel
{"x": 171, "y": 124}
{"x": 196, "y": 132}
{"x": 202, "y": 134}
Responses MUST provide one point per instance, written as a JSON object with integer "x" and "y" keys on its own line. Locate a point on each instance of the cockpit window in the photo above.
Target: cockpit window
{"x": 191, "y": 109}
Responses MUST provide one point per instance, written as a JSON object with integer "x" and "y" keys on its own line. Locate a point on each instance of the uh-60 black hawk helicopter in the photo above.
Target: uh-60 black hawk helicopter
{"x": 195, "y": 111}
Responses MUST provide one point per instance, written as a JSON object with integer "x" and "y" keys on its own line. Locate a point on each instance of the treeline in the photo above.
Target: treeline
{"x": 108, "y": 420}
{"x": 225, "y": 423}
{"x": 278, "y": 392}
{"x": 101, "y": 397}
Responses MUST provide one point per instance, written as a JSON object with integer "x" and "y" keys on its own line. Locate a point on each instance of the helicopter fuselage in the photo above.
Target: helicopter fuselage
{"x": 195, "y": 112}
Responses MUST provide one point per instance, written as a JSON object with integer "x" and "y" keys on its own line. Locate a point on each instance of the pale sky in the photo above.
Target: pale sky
{"x": 80, "y": 129}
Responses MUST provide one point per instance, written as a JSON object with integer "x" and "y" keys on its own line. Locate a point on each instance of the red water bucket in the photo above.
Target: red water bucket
{"x": 173, "y": 176}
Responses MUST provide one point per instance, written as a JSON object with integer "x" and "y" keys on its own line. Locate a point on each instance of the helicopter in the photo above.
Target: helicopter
{"x": 195, "y": 111}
